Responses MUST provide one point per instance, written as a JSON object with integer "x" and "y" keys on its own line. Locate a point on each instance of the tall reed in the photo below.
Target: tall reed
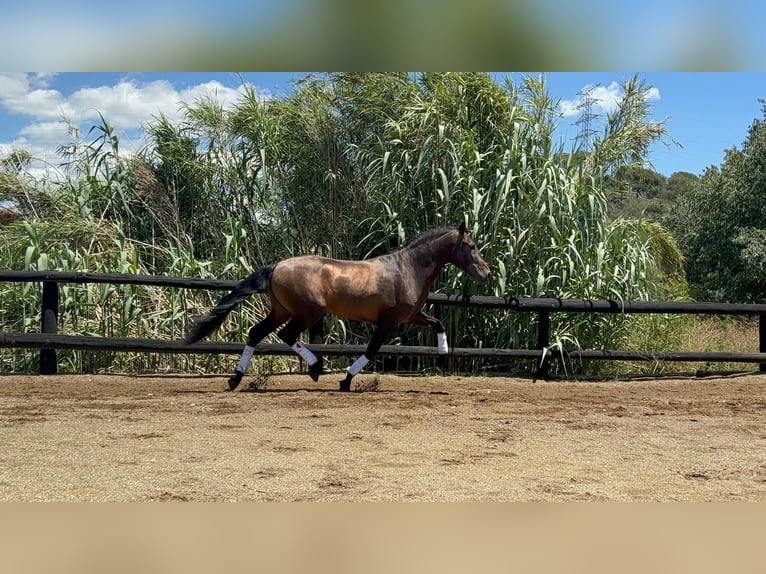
{"x": 348, "y": 165}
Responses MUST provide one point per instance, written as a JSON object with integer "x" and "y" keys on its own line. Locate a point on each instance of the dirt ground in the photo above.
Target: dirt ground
{"x": 419, "y": 438}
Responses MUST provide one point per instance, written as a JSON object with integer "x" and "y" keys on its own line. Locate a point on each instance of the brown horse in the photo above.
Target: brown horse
{"x": 388, "y": 290}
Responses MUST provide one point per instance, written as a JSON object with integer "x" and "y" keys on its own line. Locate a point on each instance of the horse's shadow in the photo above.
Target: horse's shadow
{"x": 313, "y": 390}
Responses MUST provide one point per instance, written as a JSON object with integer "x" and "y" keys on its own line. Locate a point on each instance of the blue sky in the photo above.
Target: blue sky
{"x": 707, "y": 112}
{"x": 425, "y": 34}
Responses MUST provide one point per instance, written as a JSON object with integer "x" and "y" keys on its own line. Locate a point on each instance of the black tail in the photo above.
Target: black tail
{"x": 257, "y": 282}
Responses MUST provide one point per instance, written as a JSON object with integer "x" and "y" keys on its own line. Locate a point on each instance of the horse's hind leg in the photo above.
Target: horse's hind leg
{"x": 378, "y": 338}
{"x": 254, "y": 336}
{"x": 316, "y": 336}
{"x": 290, "y": 333}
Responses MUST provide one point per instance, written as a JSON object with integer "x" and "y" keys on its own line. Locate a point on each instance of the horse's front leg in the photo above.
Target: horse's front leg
{"x": 441, "y": 335}
{"x": 378, "y": 338}
{"x": 420, "y": 318}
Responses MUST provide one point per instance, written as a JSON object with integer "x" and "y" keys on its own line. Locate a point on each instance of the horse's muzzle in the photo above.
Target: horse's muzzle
{"x": 480, "y": 274}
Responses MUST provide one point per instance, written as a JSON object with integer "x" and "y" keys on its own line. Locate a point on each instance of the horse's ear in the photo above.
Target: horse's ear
{"x": 461, "y": 228}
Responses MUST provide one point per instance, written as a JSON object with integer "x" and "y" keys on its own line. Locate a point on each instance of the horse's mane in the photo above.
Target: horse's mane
{"x": 428, "y": 235}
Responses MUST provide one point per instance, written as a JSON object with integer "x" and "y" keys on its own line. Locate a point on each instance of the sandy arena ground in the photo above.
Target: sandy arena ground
{"x": 157, "y": 438}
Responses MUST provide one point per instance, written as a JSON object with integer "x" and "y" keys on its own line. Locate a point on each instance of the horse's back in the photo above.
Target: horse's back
{"x": 356, "y": 290}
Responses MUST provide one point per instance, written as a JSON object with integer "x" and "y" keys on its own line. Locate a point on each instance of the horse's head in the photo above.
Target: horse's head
{"x": 466, "y": 256}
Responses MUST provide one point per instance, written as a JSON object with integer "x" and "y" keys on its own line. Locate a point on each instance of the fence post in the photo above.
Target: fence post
{"x": 543, "y": 340}
{"x": 49, "y": 324}
{"x": 762, "y": 338}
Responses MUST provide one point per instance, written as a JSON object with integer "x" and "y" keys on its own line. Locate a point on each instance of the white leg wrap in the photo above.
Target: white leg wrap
{"x": 358, "y": 365}
{"x": 244, "y": 362}
{"x": 304, "y": 353}
{"x": 442, "y": 339}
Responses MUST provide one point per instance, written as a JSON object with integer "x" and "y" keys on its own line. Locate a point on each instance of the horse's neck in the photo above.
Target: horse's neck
{"x": 430, "y": 257}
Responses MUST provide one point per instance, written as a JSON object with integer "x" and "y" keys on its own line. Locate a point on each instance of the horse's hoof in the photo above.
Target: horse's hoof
{"x": 234, "y": 380}
{"x": 345, "y": 384}
{"x": 314, "y": 371}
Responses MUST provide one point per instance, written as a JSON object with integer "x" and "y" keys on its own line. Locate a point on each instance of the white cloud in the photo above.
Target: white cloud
{"x": 19, "y": 94}
{"x": 606, "y": 99}
{"x": 45, "y": 131}
{"x": 126, "y": 105}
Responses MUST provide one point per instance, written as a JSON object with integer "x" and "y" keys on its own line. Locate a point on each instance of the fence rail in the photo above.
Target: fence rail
{"x": 48, "y": 340}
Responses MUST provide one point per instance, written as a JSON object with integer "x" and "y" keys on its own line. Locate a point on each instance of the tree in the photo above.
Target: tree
{"x": 679, "y": 183}
{"x": 634, "y": 191}
{"x": 720, "y": 223}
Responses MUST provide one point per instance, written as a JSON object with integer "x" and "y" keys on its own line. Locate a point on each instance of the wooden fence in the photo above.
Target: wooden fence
{"x": 48, "y": 340}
